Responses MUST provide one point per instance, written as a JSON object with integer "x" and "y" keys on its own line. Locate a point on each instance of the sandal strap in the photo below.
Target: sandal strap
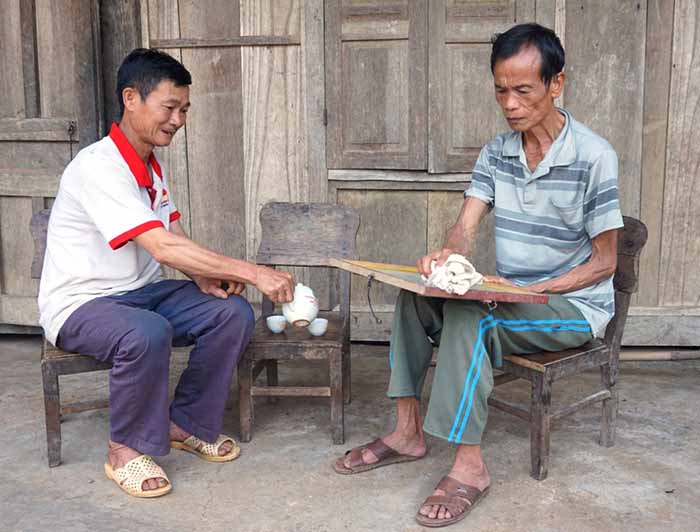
{"x": 454, "y": 488}
{"x": 136, "y": 471}
{"x": 454, "y": 505}
{"x": 377, "y": 447}
{"x": 206, "y": 448}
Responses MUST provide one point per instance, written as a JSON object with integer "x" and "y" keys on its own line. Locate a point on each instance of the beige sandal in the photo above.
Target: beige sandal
{"x": 208, "y": 451}
{"x": 131, "y": 476}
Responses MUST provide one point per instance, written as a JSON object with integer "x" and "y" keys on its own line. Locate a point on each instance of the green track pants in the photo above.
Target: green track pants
{"x": 472, "y": 340}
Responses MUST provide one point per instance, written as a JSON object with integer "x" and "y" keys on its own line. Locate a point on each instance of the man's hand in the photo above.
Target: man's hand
{"x": 217, "y": 288}
{"x": 277, "y": 285}
{"x": 440, "y": 255}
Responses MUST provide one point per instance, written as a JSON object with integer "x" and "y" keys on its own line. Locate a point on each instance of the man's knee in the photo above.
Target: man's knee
{"x": 238, "y": 315}
{"x": 151, "y": 339}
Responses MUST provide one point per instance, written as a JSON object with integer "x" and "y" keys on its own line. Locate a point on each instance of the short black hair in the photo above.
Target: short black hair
{"x": 143, "y": 69}
{"x": 511, "y": 42}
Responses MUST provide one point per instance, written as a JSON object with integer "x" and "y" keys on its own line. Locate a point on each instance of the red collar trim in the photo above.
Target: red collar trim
{"x": 127, "y": 151}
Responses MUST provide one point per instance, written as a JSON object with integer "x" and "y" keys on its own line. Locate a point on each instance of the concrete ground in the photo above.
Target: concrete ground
{"x": 283, "y": 480}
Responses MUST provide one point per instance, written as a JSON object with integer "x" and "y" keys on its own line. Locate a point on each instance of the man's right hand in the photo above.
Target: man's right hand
{"x": 277, "y": 285}
{"x": 439, "y": 255}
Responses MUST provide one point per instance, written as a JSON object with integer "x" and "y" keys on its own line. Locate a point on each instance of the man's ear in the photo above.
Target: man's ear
{"x": 131, "y": 98}
{"x": 556, "y": 85}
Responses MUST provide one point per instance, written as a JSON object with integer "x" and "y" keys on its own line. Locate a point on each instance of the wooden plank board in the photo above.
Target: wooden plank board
{"x": 29, "y": 182}
{"x": 657, "y": 74}
{"x": 35, "y": 129}
{"x": 11, "y": 81}
{"x": 605, "y": 82}
{"x": 680, "y": 249}
{"x": 408, "y": 278}
{"x": 214, "y": 129}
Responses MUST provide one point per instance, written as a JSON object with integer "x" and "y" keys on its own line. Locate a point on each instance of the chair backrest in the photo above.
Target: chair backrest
{"x": 38, "y": 227}
{"x": 630, "y": 241}
{"x": 308, "y": 234}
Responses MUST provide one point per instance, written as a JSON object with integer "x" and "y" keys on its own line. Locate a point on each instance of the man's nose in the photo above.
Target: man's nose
{"x": 511, "y": 103}
{"x": 177, "y": 119}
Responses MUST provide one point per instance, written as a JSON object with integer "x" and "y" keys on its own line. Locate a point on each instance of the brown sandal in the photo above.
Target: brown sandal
{"x": 385, "y": 456}
{"x": 459, "y": 501}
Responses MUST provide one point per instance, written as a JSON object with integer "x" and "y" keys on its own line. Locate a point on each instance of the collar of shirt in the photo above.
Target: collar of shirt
{"x": 561, "y": 153}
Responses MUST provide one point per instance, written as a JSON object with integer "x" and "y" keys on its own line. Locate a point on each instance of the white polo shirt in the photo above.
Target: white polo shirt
{"x": 107, "y": 196}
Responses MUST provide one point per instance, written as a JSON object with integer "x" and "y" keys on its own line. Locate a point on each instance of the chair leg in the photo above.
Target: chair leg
{"x": 607, "y": 425}
{"x": 347, "y": 390}
{"x": 245, "y": 399}
{"x": 540, "y": 424}
{"x": 272, "y": 377}
{"x": 52, "y": 409}
{"x": 337, "y": 406}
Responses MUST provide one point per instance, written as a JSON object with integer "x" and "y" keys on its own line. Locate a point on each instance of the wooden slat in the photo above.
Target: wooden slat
{"x": 512, "y": 409}
{"x": 120, "y": 30}
{"x": 30, "y": 69}
{"x": 37, "y": 129}
{"x": 680, "y": 252}
{"x": 67, "y": 59}
{"x": 291, "y": 391}
{"x": 272, "y": 81}
{"x": 229, "y": 42}
{"x": 583, "y": 403}
{"x": 335, "y": 187}
{"x": 28, "y": 182}
{"x": 84, "y": 406}
{"x": 19, "y": 309}
{"x": 215, "y": 131}
{"x": 657, "y": 72}
{"x": 597, "y": 48}
{"x": 396, "y": 175}
{"x": 12, "y": 102}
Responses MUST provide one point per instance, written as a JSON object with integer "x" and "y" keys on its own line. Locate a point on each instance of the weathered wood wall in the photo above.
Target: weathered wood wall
{"x": 378, "y": 104}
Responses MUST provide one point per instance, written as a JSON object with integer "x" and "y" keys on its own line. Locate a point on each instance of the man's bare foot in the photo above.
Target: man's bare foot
{"x": 119, "y": 455}
{"x": 177, "y": 434}
{"x": 469, "y": 468}
{"x": 407, "y": 438}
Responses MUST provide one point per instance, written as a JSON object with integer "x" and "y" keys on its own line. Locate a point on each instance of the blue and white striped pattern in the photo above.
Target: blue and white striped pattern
{"x": 464, "y": 409}
{"x": 545, "y": 219}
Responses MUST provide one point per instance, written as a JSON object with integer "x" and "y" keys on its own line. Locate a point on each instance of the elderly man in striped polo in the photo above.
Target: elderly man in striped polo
{"x": 553, "y": 185}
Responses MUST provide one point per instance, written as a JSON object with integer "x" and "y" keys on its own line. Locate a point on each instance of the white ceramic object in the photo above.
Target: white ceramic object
{"x": 276, "y": 324}
{"x": 303, "y": 309}
{"x": 318, "y": 326}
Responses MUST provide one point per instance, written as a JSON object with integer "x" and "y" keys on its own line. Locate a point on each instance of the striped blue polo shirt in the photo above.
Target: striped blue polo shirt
{"x": 545, "y": 219}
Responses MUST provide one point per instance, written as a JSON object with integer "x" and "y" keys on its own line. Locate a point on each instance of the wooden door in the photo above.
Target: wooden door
{"x": 463, "y": 115}
{"x": 48, "y": 110}
{"x": 376, "y": 84}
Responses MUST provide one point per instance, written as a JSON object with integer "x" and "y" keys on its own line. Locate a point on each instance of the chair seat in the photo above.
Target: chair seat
{"x": 51, "y": 352}
{"x": 296, "y": 336}
{"x": 540, "y": 362}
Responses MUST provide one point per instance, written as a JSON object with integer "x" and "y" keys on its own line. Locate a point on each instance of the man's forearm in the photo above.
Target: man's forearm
{"x": 582, "y": 276}
{"x": 174, "y": 249}
{"x": 462, "y": 235}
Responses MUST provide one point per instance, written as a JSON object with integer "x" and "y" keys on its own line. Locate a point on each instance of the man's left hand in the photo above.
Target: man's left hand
{"x": 218, "y": 288}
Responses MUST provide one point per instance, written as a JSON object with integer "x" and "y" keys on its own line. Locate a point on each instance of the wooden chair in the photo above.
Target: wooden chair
{"x": 543, "y": 369}
{"x": 55, "y": 362}
{"x": 302, "y": 234}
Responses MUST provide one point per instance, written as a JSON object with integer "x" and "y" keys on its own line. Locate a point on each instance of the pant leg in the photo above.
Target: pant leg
{"x": 220, "y": 330}
{"x": 475, "y": 338}
{"x": 137, "y": 342}
{"x": 417, "y": 319}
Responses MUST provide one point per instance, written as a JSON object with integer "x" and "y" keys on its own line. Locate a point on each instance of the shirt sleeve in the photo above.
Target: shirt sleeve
{"x": 601, "y": 204}
{"x": 482, "y": 186}
{"x": 112, "y": 199}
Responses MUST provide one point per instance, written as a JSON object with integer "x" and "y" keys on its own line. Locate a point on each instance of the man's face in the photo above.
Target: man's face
{"x": 524, "y": 98}
{"x": 157, "y": 118}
